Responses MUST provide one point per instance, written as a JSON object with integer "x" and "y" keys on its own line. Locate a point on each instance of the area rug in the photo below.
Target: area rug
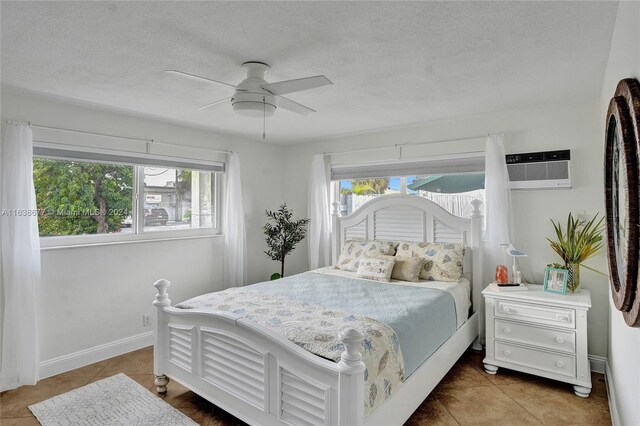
{"x": 117, "y": 400}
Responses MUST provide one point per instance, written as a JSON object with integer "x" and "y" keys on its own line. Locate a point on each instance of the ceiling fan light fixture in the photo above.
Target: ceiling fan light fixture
{"x": 253, "y": 104}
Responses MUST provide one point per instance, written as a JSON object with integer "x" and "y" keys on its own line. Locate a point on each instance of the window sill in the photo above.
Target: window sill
{"x": 86, "y": 241}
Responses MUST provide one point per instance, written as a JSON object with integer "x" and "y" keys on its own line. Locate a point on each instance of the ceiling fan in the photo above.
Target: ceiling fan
{"x": 254, "y": 96}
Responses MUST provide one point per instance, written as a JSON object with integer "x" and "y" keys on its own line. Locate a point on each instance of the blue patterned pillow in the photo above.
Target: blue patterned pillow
{"x": 354, "y": 251}
{"x": 443, "y": 261}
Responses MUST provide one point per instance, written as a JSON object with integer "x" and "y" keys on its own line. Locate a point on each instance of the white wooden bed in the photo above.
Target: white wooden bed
{"x": 264, "y": 379}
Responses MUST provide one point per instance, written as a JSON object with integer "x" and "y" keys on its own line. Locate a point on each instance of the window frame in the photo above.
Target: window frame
{"x": 137, "y": 214}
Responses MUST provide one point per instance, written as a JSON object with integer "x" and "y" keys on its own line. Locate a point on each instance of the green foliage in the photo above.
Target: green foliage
{"x": 275, "y": 276}
{"x": 80, "y": 197}
{"x": 579, "y": 241}
{"x": 367, "y": 186}
{"x": 283, "y": 233}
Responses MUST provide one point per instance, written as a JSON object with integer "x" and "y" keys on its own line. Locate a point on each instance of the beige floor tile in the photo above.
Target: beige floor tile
{"x": 145, "y": 380}
{"x": 200, "y": 415}
{"x": 554, "y": 403}
{"x": 136, "y": 362}
{"x": 486, "y": 405}
{"x": 15, "y": 403}
{"x": 431, "y": 413}
{"x": 466, "y": 396}
{"x": 179, "y": 396}
{"x": 20, "y": 421}
{"x": 463, "y": 376}
{"x": 504, "y": 376}
{"x": 219, "y": 417}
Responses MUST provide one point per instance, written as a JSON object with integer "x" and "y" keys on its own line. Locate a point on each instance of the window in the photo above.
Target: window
{"x": 178, "y": 199}
{"x": 451, "y": 181}
{"x": 452, "y": 192}
{"x": 79, "y": 198}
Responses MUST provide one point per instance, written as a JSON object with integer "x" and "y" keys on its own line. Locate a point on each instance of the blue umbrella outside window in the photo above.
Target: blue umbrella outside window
{"x": 449, "y": 184}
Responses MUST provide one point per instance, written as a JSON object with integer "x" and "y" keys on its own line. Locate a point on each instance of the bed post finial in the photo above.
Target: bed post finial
{"x": 351, "y": 378}
{"x": 352, "y": 339}
{"x": 162, "y": 298}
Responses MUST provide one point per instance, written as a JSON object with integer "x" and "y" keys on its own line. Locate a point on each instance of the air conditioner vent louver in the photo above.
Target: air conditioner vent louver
{"x": 540, "y": 170}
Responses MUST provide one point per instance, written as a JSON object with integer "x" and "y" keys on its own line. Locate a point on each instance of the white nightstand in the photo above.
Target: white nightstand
{"x": 539, "y": 333}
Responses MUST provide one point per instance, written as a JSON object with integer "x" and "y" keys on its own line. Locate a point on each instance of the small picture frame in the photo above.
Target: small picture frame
{"x": 555, "y": 280}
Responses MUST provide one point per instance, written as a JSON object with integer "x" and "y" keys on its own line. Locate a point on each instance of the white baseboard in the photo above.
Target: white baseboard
{"x": 597, "y": 363}
{"x": 611, "y": 395}
{"x": 84, "y": 357}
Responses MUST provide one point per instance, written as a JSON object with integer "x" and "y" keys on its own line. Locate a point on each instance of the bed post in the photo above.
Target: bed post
{"x": 161, "y": 300}
{"x": 335, "y": 233}
{"x": 478, "y": 279}
{"x": 351, "y": 379}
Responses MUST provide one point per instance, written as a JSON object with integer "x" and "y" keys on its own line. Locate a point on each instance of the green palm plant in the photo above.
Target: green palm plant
{"x": 579, "y": 241}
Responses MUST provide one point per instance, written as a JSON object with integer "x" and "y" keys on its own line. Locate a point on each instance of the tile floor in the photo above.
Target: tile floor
{"x": 466, "y": 396}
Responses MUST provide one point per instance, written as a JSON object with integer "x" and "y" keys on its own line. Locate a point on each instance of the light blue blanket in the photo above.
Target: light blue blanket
{"x": 423, "y": 318}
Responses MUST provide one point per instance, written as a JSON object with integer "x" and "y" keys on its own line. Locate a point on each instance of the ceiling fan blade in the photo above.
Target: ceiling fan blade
{"x": 290, "y": 86}
{"x": 290, "y": 105}
{"x": 197, "y": 77}
{"x": 213, "y": 104}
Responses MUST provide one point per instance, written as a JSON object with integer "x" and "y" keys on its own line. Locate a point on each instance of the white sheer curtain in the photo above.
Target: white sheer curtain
{"x": 498, "y": 212}
{"x": 20, "y": 259}
{"x": 235, "y": 253}
{"x": 320, "y": 225}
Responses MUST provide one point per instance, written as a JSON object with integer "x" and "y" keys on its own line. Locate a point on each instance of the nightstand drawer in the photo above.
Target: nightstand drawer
{"x": 535, "y": 313}
{"x": 564, "y": 365}
{"x": 564, "y": 341}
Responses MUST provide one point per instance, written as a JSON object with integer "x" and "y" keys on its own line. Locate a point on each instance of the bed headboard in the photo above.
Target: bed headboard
{"x": 398, "y": 217}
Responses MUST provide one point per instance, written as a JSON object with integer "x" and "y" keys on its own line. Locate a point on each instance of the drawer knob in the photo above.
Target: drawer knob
{"x": 560, "y": 364}
{"x": 507, "y": 309}
{"x": 559, "y": 340}
{"x": 561, "y": 317}
{"x": 507, "y": 352}
{"x": 507, "y": 330}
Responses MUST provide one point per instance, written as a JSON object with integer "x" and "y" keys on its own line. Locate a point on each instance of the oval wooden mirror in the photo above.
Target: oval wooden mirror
{"x": 622, "y": 198}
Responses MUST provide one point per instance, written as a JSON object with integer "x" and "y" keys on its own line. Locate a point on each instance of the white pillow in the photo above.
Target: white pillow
{"x": 378, "y": 269}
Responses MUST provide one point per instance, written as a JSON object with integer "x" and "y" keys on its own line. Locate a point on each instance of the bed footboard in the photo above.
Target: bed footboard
{"x": 254, "y": 374}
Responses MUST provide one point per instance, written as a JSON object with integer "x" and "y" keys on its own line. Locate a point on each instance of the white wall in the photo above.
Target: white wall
{"x": 575, "y": 127}
{"x": 92, "y": 296}
{"x": 624, "y": 342}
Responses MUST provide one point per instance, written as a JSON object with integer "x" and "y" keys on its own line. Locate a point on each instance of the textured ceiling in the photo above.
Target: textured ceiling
{"x": 392, "y": 63}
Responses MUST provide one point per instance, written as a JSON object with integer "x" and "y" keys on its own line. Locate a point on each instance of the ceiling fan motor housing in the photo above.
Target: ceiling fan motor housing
{"x": 252, "y": 100}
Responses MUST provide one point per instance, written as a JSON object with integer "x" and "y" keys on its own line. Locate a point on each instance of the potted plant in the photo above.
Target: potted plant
{"x": 579, "y": 241}
{"x": 282, "y": 234}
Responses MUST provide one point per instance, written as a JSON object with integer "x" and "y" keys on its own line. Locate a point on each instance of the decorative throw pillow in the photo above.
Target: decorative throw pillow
{"x": 374, "y": 268}
{"x": 353, "y": 251}
{"x": 405, "y": 249}
{"x": 443, "y": 261}
{"x": 407, "y": 268}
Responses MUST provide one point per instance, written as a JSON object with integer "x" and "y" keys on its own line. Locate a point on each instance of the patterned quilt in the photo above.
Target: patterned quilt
{"x": 315, "y": 328}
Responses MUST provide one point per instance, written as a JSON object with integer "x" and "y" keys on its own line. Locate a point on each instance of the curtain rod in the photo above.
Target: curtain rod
{"x": 396, "y": 146}
{"x": 151, "y": 141}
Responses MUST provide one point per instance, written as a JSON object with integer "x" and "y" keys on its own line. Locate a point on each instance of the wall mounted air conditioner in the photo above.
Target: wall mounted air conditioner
{"x": 540, "y": 170}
